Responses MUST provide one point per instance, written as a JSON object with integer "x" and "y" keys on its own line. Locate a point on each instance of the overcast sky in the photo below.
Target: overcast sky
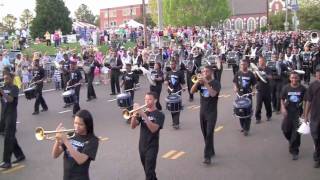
{"x": 15, "y": 7}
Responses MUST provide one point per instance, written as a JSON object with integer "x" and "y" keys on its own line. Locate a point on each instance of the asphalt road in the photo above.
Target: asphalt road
{"x": 263, "y": 155}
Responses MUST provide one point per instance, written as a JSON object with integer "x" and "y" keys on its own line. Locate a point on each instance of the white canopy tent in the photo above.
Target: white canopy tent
{"x": 78, "y": 24}
{"x": 132, "y": 23}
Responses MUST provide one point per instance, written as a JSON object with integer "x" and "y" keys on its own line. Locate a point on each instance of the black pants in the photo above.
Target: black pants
{"x": 90, "y": 92}
{"x": 289, "y": 129}
{"x": 40, "y": 101}
{"x": 189, "y": 84}
{"x": 157, "y": 90}
{"x": 314, "y": 126}
{"x": 245, "y": 123}
{"x": 48, "y": 42}
{"x": 207, "y": 123}
{"x": 149, "y": 161}
{"x": 76, "y": 105}
{"x": 276, "y": 87}
{"x": 217, "y": 74}
{"x": 115, "y": 81}
{"x": 263, "y": 97}
{"x": 235, "y": 69}
{"x": 64, "y": 79}
{"x": 11, "y": 145}
{"x": 175, "y": 118}
{"x": 307, "y": 75}
{"x": 2, "y": 124}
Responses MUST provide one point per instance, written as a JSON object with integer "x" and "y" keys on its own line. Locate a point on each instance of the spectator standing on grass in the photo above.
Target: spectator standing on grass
{"x": 47, "y": 36}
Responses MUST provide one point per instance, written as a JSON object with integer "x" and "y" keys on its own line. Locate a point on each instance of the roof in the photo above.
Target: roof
{"x": 239, "y": 7}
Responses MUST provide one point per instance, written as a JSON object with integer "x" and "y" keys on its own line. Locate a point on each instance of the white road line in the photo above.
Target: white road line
{"x": 65, "y": 111}
{"x": 48, "y": 90}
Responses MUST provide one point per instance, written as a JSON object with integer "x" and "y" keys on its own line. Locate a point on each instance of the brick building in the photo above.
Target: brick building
{"x": 115, "y": 16}
{"x": 251, "y": 15}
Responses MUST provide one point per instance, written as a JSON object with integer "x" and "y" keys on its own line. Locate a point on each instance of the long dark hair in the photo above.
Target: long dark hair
{"x": 86, "y": 116}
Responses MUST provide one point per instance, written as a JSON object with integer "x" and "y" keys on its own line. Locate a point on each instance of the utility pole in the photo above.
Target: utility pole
{"x": 160, "y": 22}
{"x": 144, "y": 23}
{"x": 286, "y": 23}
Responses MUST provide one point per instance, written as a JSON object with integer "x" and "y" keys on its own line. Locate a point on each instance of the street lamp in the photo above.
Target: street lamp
{"x": 286, "y": 23}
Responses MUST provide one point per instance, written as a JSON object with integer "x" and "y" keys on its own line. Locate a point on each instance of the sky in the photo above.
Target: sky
{"x": 15, "y": 7}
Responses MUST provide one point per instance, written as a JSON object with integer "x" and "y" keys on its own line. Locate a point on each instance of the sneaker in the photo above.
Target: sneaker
{"x": 245, "y": 133}
{"x": 43, "y": 110}
{"x": 176, "y": 126}
{"x": 19, "y": 159}
{"x": 295, "y": 157}
{"x": 35, "y": 113}
{"x": 5, "y": 165}
{"x": 207, "y": 161}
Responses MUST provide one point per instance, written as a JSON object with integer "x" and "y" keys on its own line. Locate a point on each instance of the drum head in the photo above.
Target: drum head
{"x": 68, "y": 93}
{"x": 242, "y": 103}
{"x": 29, "y": 89}
{"x": 173, "y": 98}
{"x": 123, "y": 96}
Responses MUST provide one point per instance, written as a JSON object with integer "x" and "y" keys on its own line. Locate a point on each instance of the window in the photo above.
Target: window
{"x": 263, "y": 21}
{"x": 113, "y": 23}
{"x": 113, "y": 13}
{"x": 239, "y": 24}
{"x": 227, "y": 24}
{"x": 129, "y": 12}
{"x": 251, "y": 24}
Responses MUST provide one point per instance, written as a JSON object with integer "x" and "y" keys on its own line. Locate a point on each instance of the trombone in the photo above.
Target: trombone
{"x": 41, "y": 134}
{"x": 128, "y": 114}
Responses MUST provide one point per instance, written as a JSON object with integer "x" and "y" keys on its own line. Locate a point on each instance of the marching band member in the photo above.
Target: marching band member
{"x": 115, "y": 66}
{"x": 312, "y": 115}
{"x": 292, "y": 97}
{"x": 190, "y": 71}
{"x": 91, "y": 64}
{"x": 38, "y": 78}
{"x": 74, "y": 82}
{"x": 129, "y": 81}
{"x": 264, "y": 92}
{"x": 209, "y": 92}
{"x": 244, "y": 82}
{"x": 175, "y": 80}
{"x": 151, "y": 121}
{"x": 9, "y": 102}
{"x": 79, "y": 150}
{"x": 306, "y": 60}
{"x": 275, "y": 82}
{"x": 159, "y": 78}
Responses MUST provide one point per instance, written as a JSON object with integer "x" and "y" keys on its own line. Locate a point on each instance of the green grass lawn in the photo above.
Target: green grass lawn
{"x": 51, "y": 50}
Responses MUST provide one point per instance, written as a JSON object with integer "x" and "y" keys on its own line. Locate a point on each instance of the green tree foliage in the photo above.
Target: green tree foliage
{"x": 9, "y": 22}
{"x": 309, "y": 14}
{"x": 191, "y": 12}
{"x": 84, "y": 14}
{"x": 50, "y": 16}
{"x": 26, "y": 18}
{"x": 97, "y": 20}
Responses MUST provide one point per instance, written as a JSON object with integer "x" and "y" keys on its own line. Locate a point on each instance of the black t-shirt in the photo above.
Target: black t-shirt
{"x": 244, "y": 82}
{"x": 66, "y": 67}
{"x": 84, "y": 144}
{"x": 175, "y": 79}
{"x": 158, "y": 74}
{"x": 261, "y": 86}
{"x": 313, "y": 96}
{"x": 293, "y": 98}
{"x": 208, "y": 103}
{"x": 38, "y": 73}
{"x": 147, "y": 138}
{"x": 75, "y": 77}
{"x": 129, "y": 80}
{"x": 9, "y": 109}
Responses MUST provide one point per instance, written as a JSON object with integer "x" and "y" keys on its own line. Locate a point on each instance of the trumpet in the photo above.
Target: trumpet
{"x": 128, "y": 114}
{"x": 41, "y": 134}
{"x": 195, "y": 78}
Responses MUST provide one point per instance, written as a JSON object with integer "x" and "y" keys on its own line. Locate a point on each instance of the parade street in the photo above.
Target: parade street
{"x": 262, "y": 155}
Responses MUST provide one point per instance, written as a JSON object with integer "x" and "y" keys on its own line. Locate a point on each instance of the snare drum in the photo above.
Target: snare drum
{"x": 68, "y": 96}
{"x": 124, "y": 100}
{"x": 30, "y": 93}
{"x": 242, "y": 107}
{"x": 173, "y": 103}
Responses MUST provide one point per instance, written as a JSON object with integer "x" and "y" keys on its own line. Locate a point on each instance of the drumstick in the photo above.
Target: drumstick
{"x": 111, "y": 100}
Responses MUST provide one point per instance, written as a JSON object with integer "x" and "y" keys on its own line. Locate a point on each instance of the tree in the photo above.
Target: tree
{"x": 309, "y": 15}
{"x": 26, "y": 18}
{"x": 50, "y": 16}
{"x": 97, "y": 21}
{"x": 9, "y": 22}
{"x": 149, "y": 19}
{"x": 277, "y": 20}
{"x": 83, "y": 14}
{"x": 191, "y": 12}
